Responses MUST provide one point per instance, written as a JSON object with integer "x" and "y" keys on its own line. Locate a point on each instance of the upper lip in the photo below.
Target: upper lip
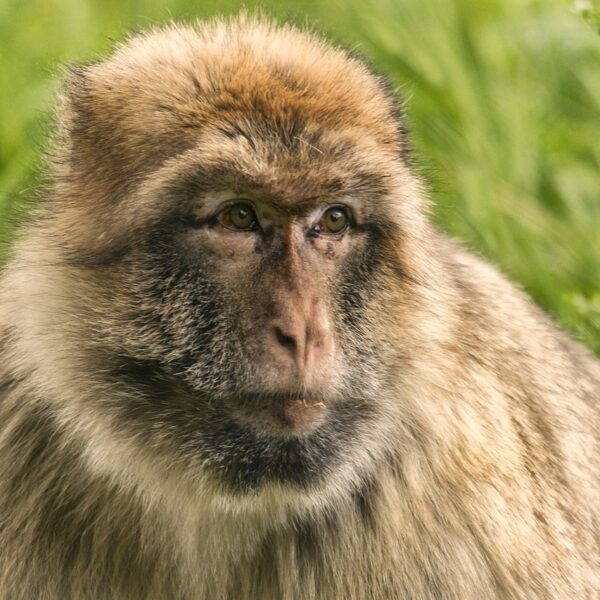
{"x": 266, "y": 398}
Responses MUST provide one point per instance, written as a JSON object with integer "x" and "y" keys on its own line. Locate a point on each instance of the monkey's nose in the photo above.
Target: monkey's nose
{"x": 292, "y": 340}
{"x": 303, "y": 341}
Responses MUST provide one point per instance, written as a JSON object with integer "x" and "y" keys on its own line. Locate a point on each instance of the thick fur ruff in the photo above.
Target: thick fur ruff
{"x": 461, "y": 460}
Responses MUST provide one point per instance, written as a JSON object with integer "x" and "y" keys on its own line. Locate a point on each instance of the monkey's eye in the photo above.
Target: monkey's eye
{"x": 239, "y": 217}
{"x": 334, "y": 221}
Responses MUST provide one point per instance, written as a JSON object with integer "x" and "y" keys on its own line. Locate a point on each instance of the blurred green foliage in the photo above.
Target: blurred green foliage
{"x": 502, "y": 98}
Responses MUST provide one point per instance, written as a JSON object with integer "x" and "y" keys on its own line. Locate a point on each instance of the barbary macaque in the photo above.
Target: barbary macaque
{"x": 238, "y": 362}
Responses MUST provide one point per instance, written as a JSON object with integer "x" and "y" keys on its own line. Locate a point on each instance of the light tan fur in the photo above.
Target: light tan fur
{"x": 472, "y": 472}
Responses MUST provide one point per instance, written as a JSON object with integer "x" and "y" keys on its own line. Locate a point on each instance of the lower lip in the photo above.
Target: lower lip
{"x": 285, "y": 417}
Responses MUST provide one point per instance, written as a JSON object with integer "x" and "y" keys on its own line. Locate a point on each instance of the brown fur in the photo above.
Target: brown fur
{"x": 461, "y": 429}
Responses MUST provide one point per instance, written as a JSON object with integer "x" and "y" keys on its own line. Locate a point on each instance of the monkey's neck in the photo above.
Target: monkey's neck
{"x": 89, "y": 535}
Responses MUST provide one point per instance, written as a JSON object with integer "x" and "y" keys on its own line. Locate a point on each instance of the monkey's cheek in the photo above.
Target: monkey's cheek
{"x": 286, "y": 418}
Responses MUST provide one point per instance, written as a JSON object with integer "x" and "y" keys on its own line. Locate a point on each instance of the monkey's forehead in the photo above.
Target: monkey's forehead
{"x": 181, "y": 80}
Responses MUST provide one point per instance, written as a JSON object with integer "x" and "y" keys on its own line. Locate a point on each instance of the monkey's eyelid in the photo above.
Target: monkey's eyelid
{"x": 227, "y": 218}
{"x": 318, "y": 228}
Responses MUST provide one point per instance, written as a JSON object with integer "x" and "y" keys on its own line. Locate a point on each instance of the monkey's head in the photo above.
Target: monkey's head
{"x": 242, "y": 243}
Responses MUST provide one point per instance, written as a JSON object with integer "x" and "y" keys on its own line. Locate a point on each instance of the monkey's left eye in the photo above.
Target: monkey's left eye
{"x": 239, "y": 217}
{"x": 334, "y": 221}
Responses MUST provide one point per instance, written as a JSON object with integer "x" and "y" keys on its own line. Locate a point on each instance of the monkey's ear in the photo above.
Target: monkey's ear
{"x": 399, "y": 116}
{"x": 115, "y": 126}
{"x": 94, "y": 150}
{"x": 101, "y": 152}
{"x": 398, "y": 106}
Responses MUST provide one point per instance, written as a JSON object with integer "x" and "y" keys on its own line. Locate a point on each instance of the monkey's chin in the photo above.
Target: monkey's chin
{"x": 250, "y": 442}
{"x": 285, "y": 415}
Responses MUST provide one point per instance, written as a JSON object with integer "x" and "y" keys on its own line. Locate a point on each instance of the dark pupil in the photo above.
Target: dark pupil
{"x": 336, "y": 219}
{"x": 241, "y": 216}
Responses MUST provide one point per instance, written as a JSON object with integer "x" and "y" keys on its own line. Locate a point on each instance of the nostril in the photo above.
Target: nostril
{"x": 287, "y": 341}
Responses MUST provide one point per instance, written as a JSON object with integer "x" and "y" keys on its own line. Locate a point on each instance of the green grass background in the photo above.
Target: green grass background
{"x": 503, "y": 102}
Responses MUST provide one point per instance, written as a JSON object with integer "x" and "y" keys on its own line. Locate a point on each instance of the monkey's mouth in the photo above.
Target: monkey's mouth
{"x": 281, "y": 414}
{"x": 252, "y": 439}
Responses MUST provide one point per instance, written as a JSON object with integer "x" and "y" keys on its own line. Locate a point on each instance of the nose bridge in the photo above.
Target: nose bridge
{"x": 300, "y": 329}
{"x": 299, "y": 310}
{"x": 294, "y": 266}
{"x": 297, "y": 296}
{"x": 295, "y": 277}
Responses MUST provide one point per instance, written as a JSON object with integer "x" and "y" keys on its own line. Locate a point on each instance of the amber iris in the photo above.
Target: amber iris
{"x": 335, "y": 220}
{"x": 239, "y": 216}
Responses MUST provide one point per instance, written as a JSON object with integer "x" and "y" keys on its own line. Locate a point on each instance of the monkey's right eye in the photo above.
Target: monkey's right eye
{"x": 239, "y": 217}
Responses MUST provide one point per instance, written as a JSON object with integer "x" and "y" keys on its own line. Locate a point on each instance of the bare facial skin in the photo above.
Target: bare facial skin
{"x": 237, "y": 361}
{"x": 296, "y": 335}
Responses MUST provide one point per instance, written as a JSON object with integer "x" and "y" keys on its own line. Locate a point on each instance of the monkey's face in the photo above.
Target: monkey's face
{"x": 271, "y": 269}
{"x": 267, "y": 305}
{"x": 253, "y": 216}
